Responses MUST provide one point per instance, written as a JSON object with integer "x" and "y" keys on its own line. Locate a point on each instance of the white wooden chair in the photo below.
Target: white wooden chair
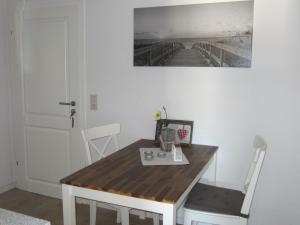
{"x": 109, "y": 132}
{"x": 217, "y": 205}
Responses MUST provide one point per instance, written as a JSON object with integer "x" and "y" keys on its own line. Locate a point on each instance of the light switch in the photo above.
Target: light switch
{"x": 94, "y": 102}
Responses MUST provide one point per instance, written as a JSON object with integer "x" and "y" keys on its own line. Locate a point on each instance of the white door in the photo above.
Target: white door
{"x": 51, "y": 74}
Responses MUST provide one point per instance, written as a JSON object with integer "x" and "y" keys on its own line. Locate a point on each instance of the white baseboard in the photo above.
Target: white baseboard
{"x": 7, "y": 187}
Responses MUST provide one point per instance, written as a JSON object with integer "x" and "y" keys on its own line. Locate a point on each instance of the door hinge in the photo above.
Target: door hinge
{"x": 17, "y": 163}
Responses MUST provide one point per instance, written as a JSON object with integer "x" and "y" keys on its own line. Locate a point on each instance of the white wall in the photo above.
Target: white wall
{"x": 229, "y": 106}
{"x": 6, "y": 173}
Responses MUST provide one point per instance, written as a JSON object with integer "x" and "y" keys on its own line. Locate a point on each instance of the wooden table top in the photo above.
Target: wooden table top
{"x": 123, "y": 173}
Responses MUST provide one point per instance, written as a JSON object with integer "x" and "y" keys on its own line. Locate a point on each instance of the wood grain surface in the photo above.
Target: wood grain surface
{"x": 123, "y": 173}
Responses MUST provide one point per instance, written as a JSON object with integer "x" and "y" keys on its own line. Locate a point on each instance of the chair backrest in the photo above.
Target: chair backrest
{"x": 89, "y": 135}
{"x": 260, "y": 147}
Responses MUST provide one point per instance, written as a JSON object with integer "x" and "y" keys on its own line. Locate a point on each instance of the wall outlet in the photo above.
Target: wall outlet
{"x": 94, "y": 102}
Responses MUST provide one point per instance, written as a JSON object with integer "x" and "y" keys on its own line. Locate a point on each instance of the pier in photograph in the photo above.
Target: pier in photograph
{"x": 187, "y": 57}
{"x": 215, "y": 52}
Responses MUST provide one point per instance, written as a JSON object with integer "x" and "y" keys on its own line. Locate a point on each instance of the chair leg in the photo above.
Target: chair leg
{"x": 125, "y": 215}
{"x": 142, "y": 215}
{"x": 93, "y": 211}
{"x": 155, "y": 217}
{"x": 187, "y": 219}
{"x": 118, "y": 216}
{"x": 243, "y": 221}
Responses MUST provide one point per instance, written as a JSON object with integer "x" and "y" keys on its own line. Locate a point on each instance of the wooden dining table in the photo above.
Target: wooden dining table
{"x": 121, "y": 179}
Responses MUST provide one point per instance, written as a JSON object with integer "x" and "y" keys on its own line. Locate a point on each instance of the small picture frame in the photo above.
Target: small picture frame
{"x": 184, "y": 130}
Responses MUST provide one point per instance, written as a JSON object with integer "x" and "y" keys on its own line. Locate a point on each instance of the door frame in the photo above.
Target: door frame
{"x": 17, "y": 83}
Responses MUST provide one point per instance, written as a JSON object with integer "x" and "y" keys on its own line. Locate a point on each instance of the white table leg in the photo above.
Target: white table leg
{"x": 169, "y": 216}
{"x": 124, "y": 215}
{"x": 68, "y": 205}
{"x": 215, "y": 169}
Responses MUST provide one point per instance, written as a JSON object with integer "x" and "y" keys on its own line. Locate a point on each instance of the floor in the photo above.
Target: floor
{"x": 51, "y": 209}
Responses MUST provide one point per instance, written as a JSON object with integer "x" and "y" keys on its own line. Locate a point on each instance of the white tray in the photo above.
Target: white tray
{"x": 167, "y": 160}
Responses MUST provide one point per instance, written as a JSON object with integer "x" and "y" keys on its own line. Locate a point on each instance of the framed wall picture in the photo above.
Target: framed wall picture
{"x": 183, "y": 128}
{"x": 217, "y": 34}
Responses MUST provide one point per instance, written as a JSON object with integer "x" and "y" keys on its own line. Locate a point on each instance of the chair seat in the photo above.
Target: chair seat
{"x": 215, "y": 200}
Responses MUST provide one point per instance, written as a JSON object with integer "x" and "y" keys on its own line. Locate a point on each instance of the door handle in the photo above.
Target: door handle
{"x": 73, "y": 111}
{"x": 72, "y": 103}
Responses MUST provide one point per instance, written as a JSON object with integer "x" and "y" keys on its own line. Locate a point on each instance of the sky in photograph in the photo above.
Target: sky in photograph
{"x": 193, "y": 21}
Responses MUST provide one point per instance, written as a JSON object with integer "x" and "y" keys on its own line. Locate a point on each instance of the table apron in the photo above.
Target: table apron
{"x": 117, "y": 199}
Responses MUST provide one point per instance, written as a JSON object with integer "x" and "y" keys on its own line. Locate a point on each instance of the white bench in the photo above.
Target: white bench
{"x": 12, "y": 218}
